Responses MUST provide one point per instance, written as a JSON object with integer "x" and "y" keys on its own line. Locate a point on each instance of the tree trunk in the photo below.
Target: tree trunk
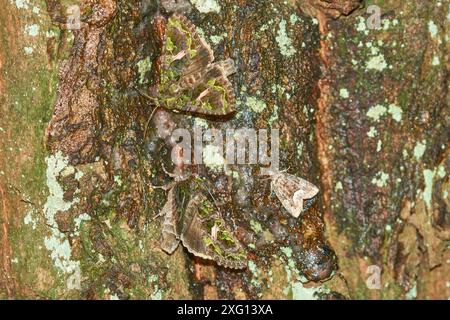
{"x": 362, "y": 111}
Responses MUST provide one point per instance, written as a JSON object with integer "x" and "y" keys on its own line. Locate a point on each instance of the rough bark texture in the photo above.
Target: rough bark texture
{"x": 363, "y": 113}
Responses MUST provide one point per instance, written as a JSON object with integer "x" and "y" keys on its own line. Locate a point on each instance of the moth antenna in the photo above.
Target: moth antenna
{"x": 156, "y": 216}
{"x": 149, "y": 119}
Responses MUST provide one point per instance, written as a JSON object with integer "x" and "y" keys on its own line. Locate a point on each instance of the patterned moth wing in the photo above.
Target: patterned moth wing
{"x": 177, "y": 199}
{"x": 169, "y": 237}
{"x": 296, "y": 194}
{"x": 190, "y": 81}
{"x": 204, "y": 233}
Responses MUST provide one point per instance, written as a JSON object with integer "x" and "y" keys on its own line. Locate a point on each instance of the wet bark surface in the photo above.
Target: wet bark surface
{"x": 362, "y": 113}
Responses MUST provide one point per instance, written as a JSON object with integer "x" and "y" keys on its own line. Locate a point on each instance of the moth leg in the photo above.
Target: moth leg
{"x": 203, "y": 94}
{"x": 148, "y": 120}
{"x": 165, "y": 187}
{"x": 180, "y": 55}
{"x": 170, "y": 174}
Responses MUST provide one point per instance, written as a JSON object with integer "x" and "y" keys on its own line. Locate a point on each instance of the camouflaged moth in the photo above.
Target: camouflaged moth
{"x": 189, "y": 80}
{"x": 198, "y": 225}
{"x": 296, "y": 194}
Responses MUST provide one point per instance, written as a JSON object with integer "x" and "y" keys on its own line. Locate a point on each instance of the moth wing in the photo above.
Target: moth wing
{"x": 186, "y": 54}
{"x": 292, "y": 191}
{"x": 214, "y": 95}
{"x": 205, "y": 235}
{"x": 189, "y": 78}
{"x": 169, "y": 237}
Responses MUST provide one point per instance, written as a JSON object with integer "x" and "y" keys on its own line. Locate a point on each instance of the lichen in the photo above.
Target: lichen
{"x": 380, "y": 180}
{"x": 57, "y": 243}
{"x": 144, "y": 66}
{"x": 256, "y": 226}
{"x": 255, "y": 104}
{"x": 428, "y": 191}
{"x": 376, "y": 112}
{"x": 205, "y": 6}
{"x": 377, "y": 63}
{"x": 419, "y": 149}
{"x": 396, "y": 112}
{"x": 21, "y": 4}
{"x": 32, "y": 30}
{"x": 344, "y": 94}
{"x": 372, "y": 132}
{"x": 299, "y": 292}
{"x": 433, "y": 29}
{"x": 284, "y": 42}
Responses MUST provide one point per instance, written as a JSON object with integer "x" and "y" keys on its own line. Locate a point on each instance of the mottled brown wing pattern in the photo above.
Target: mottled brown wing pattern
{"x": 190, "y": 217}
{"x": 204, "y": 233}
{"x": 190, "y": 81}
{"x": 169, "y": 237}
{"x": 293, "y": 191}
{"x": 214, "y": 97}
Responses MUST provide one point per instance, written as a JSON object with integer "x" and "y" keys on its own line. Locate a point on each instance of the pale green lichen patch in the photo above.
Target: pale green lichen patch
{"x": 436, "y": 61}
{"x": 294, "y": 18}
{"x": 205, "y": 6}
{"x": 201, "y": 123}
{"x": 344, "y": 94}
{"x": 338, "y": 186}
{"x": 256, "y": 226}
{"x": 28, "y": 50}
{"x": 412, "y": 293}
{"x": 79, "y": 220}
{"x": 441, "y": 172}
{"x": 361, "y": 25}
{"x": 255, "y": 273}
{"x": 428, "y": 191}
{"x": 32, "y": 30}
{"x": 376, "y": 112}
{"x": 57, "y": 243}
{"x": 21, "y": 4}
{"x": 283, "y": 41}
{"x": 255, "y": 104}
{"x": 396, "y": 112}
{"x": 287, "y": 251}
{"x": 216, "y": 39}
{"x": 433, "y": 29}
{"x": 30, "y": 220}
{"x": 299, "y": 292}
{"x": 55, "y": 202}
{"x": 372, "y": 132}
{"x": 380, "y": 179}
{"x": 419, "y": 149}
{"x": 300, "y": 149}
{"x": 377, "y": 63}
{"x": 144, "y": 66}
{"x": 379, "y": 144}
{"x": 274, "y": 116}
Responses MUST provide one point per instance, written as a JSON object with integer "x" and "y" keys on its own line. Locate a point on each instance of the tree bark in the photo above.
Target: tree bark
{"x": 362, "y": 113}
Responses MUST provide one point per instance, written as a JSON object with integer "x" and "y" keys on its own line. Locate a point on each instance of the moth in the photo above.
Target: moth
{"x": 198, "y": 225}
{"x": 296, "y": 194}
{"x": 189, "y": 79}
